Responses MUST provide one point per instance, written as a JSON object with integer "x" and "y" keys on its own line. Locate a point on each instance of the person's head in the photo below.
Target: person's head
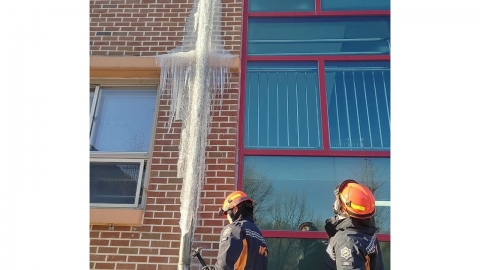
{"x": 353, "y": 200}
{"x": 236, "y": 204}
{"x": 307, "y": 226}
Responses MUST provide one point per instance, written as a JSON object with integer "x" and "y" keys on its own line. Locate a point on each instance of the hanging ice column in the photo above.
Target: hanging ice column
{"x": 193, "y": 73}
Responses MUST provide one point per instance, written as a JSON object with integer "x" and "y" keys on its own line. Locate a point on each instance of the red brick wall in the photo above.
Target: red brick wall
{"x": 147, "y": 28}
{"x": 151, "y": 27}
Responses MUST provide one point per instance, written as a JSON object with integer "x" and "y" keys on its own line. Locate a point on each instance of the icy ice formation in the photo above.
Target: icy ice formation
{"x": 194, "y": 73}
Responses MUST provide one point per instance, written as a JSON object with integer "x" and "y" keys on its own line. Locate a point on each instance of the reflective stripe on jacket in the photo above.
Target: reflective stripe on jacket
{"x": 242, "y": 247}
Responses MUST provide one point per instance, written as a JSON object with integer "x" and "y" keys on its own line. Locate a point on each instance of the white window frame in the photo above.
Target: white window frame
{"x": 141, "y": 162}
{"x": 142, "y": 158}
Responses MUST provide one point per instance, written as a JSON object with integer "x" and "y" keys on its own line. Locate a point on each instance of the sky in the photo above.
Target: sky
{"x": 45, "y": 77}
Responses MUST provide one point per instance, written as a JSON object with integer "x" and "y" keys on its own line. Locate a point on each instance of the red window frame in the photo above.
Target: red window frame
{"x": 326, "y": 151}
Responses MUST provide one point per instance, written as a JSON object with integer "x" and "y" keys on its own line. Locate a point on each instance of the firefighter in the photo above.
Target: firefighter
{"x": 352, "y": 240}
{"x": 242, "y": 245}
{"x": 313, "y": 250}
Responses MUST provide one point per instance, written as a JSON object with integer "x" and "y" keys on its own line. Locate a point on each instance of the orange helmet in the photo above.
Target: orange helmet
{"x": 232, "y": 200}
{"x": 356, "y": 199}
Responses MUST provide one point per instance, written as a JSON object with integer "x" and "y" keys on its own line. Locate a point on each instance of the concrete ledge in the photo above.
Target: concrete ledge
{"x": 127, "y": 217}
{"x": 131, "y": 67}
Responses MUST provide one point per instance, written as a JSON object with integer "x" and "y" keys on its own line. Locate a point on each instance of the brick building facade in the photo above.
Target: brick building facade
{"x": 125, "y": 35}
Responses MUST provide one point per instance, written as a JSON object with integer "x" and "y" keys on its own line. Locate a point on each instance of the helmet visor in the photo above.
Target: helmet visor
{"x": 222, "y": 213}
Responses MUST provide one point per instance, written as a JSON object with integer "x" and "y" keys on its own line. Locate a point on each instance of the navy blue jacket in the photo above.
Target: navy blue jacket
{"x": 242, "y": 247}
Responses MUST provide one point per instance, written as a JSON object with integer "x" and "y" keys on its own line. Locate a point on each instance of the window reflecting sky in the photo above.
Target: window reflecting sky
{"x": 312, "y": 180}
{"x": 123, "y": 120}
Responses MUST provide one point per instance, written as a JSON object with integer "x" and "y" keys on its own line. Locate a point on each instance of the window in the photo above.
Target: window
{"x": 121, "y": 126}
{"x": 331, "y": 5}
{"x": 319, "y": 36}
{"x": 358, "y": 104}
{"x": 281, "y": 105}
{"x": 309, "y": 5}
{"x": 289, "y": 190}
{"x": 314, "y": 111}
{"x": 281, "y": 5}
{"x": 290, "y": 249}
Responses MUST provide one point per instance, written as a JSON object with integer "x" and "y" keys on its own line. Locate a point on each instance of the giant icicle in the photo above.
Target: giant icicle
{"x": 194, "y": 74}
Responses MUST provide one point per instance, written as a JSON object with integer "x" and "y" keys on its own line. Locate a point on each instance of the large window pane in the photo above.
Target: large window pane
{"x": 328, "y": 5}
{"x": 284, "y": 253}
{"x": 116, "y": 182}
{"x": 280, "y": 5}
{"x": 319, "y": 36}
{"x": 358, "y": 103}
{"x": 291, "y": 190}
{"x": 282, "y": 106}
{"x": 123, "y": 120}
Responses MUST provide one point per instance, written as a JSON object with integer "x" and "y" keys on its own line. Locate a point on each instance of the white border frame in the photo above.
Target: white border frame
{"x": 141, "y": 162}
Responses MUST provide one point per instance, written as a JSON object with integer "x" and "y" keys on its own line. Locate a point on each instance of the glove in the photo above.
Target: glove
{"x": 208, "y": 267}
{"x": 330, "y": 227}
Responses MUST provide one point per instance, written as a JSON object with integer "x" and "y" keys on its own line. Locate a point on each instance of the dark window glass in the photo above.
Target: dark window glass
{"x": 115, "y": 182}
{"x": 385, "y": 248}
{"x": 282, "y": 106}
{"x": 358, "y": 103}
{"x": 287, "y": 253}
{"x": 319, "y": 36}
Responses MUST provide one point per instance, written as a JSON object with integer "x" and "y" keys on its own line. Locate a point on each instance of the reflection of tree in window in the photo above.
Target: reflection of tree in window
{"x": 288, "y": 211}
{"x": 283, "y": 253}
{"x": 385, "y": 247}
{"x": 374, "y": 177}
{"x": 278, "y": 210}
{"x": 260, "y": 189}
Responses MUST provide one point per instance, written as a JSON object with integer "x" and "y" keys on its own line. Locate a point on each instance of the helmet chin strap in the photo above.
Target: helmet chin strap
{"x": 229, "y": 217}
{"x": 233, "y": 216}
